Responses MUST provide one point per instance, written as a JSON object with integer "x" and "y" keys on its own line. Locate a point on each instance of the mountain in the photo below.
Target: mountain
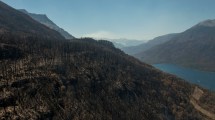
{"x": 43, "y": 19}
{"x": 46, "y": 78}
{"x": 121, "y": 43}
{"x": 132, "y": 50}
{"x": 88, "y": 79}
{"x": 191, "y": 48}
{"x": 13, "y": 22}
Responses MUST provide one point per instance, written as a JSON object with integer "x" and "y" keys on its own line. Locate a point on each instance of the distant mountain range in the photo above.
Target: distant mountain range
{"x": 121, "y": 43}
{"x": 132, "y": 50}
{"x": 47, "y": 22}
{"x": 192, "y": 48}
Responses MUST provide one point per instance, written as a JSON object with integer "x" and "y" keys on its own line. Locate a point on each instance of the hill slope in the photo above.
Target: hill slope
{"x": 132, "y": 50}
{"x": 43, "y": 19}
{"x": 192, "y": 48}
{"x": 72, "y": 80}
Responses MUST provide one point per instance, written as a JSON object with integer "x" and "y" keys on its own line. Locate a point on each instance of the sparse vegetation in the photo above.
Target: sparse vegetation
{"x": 43, "y": 76}
{"x": 87, "y": 79}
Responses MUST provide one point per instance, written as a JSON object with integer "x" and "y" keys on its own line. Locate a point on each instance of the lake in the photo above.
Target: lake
{"x": 202, "y": 78}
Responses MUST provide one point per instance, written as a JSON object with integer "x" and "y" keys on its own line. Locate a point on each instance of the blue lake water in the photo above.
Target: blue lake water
{"x": 202, "y": 78}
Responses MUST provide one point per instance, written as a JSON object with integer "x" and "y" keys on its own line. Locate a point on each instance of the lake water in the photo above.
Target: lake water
{"x": 202, "y": 78}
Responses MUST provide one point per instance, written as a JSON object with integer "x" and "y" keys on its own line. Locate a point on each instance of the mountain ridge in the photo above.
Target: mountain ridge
{"x": 132, "y": 50}
{"x": 43, "y": 19}
{"x": 208, "y": 23}
{"x": 15, "y": 22}
{"x": 191, "y": 48}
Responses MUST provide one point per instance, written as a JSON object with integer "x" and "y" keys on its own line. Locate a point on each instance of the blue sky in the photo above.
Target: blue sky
{"x": 132, "y": 19}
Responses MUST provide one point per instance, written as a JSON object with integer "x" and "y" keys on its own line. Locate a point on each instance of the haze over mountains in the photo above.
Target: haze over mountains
{"x": 121, "y": 43}
{"x": 42, "y": 18}
{"x": 46, "y": 21}
{"x": 192, "y": 48}
{"x": 44, "y": 76}
{"x": 132, "y": 50}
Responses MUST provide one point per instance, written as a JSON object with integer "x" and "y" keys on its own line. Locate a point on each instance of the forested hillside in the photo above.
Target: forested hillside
{"x": 43, "y": 76}
{"x": 86, "y": 79}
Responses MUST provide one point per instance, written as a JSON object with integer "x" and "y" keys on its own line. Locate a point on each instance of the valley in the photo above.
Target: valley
{"x": 48, "y": 74}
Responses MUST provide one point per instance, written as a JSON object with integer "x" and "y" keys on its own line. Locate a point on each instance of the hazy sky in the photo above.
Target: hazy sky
{"x": 132, "y": 19}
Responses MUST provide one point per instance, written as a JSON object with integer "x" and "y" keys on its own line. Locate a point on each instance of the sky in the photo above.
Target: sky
{"x": 114, "y": 19}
